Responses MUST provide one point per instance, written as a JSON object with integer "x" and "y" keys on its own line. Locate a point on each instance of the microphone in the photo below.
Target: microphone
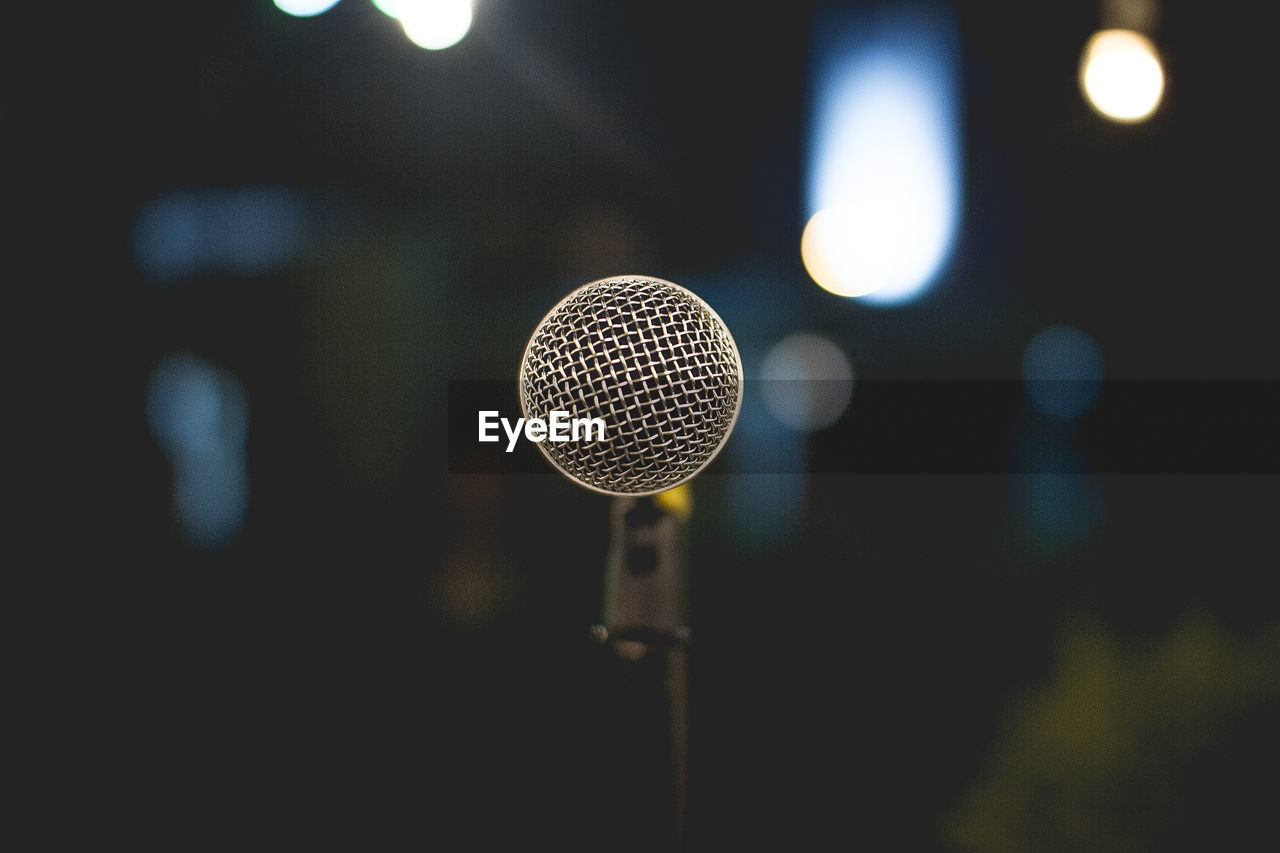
{"x": 651, "y": 360}
{"x": 659, "y": 368}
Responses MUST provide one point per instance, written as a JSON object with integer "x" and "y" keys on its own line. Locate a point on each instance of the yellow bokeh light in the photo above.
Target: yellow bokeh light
{"x": 1121, "y": 75}
{"x": 830, "y": 256}
{"x": 677, "y": 501}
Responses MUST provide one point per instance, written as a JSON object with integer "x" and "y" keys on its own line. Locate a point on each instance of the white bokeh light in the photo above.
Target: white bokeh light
{"x": 305, "y": 8}
{"x": 807, "y": 382}
{"x": 884, "y": 189}
{"x": 1121, "y": 75}
{"x": 434, "y": 24}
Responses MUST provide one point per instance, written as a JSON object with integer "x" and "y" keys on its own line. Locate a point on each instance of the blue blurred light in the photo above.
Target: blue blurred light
{"x": 211, "y": 497}
{"x": 166, "y": 236}
{"x": 195, "y": 409}
{"x": 1063, "y": 508}
{"x": 305, "y": 8}
{"x": 1062, "y": 368}
{"x": 884, "y": 156}
{"x": 766, "y": 509}
{"x": 199, "y": 415}
{"x": 245, "y": 231}
{"x": 1061, "y": 505}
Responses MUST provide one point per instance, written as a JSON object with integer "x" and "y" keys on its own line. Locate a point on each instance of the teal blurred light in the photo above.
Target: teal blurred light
{"x": 884, "y": 147}
{"x": 1062, "y": 370}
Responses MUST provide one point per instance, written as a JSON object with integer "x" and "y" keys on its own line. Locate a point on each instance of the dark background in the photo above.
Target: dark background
{"x": 390, "y": 657}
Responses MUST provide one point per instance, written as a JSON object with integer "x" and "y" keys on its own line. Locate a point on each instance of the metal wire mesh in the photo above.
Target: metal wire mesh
{"x": 650, "y": 359}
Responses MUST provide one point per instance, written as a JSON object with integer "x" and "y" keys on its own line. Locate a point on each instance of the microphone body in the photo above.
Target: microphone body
{"x": 644, "y": 591}
{"x": 645, "y": 623}
{"x": 658, "y": 366}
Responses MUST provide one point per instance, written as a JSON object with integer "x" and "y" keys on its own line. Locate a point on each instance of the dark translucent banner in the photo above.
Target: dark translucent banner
{"x": 944, "y": 427}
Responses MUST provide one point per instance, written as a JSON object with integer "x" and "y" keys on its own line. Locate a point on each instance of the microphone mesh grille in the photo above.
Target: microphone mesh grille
{"x": 650, "y": 359}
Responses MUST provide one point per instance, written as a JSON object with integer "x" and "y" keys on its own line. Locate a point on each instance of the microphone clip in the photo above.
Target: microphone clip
{"x": 644, "y": 591}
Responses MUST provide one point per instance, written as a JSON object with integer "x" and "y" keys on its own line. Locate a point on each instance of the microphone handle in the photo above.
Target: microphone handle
{"x": 645, "y": 622}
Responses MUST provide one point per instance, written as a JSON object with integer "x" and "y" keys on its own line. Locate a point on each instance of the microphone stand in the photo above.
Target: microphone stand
{"x": 645, "y": 622}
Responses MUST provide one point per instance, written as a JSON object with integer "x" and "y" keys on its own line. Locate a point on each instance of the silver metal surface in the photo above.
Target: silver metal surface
{"x": 654, "y": 362}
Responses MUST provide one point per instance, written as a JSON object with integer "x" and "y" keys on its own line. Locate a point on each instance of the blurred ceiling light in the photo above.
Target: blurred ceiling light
{"x": 1062, "y": 369}
{"x": 807, "y": 382}
{"x": 305, "y": 8}
{"x": 1121, "y": 75}
{"x": 434, "y": 24}
{"x": 884, "y": 162}
{"x": 387, "y": 7}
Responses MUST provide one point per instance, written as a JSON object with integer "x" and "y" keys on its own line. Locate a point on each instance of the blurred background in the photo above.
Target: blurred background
{"x": 250, "y": 243}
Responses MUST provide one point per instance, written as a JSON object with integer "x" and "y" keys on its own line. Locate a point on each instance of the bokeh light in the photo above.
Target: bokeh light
{"x": 839, "y": 254}
{"x": 434, "y": 24}
{"x": 1062, "y": 368}
{"x": 199, "y": 416}
{"x": 305, "y": 8}
{"x": 1121, "y": 75}
{"x": 248, "y": 230}
{"x": 807, "y": 382}
{"x": 884, "y": 164}
{"x": 765, "y": 510}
